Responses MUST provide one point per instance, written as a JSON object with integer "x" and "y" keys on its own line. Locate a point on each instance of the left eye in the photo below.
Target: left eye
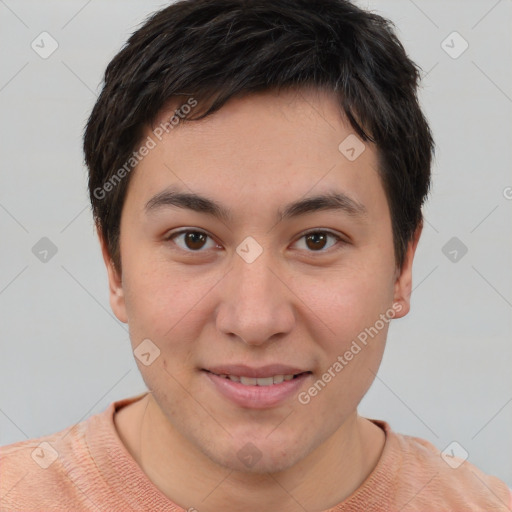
{"x": 317, "y": 239}
{"x": 194, "y": 241}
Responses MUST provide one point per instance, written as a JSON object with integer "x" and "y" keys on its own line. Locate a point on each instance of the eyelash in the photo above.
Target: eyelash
{"x": 171, "y": 236}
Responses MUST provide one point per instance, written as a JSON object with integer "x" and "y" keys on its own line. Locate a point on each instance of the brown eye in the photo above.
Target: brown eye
{"x": 195, "y": 240}
{"x": 190, "y": 241}
{"x": 316, "y": 241}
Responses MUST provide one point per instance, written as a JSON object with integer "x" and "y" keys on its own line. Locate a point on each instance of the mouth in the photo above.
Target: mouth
{"x": 257, "y": 388}
{"x": 260, "y": 381}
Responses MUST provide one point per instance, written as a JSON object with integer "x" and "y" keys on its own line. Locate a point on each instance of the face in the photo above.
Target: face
{"x": 241, "y": 283}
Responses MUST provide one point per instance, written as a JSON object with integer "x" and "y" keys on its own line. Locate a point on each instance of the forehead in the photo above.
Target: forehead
{"x": 279, "y": 146}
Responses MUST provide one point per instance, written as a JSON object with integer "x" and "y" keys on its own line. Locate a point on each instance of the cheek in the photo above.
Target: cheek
{"x": 164, "y": 308}
{"x": 164, "y": 302}
{"x": 351, "y": 299}
{"x": 358, "y": 314}
{"x": 357, "y": 308}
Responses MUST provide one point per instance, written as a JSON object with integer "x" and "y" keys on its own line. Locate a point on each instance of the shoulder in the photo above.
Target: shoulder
{"x": 83, "y": 467}
{"x": 442, "y": 481}
{"x": 41, "y": 472}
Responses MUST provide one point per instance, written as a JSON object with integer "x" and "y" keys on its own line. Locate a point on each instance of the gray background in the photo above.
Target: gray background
{"x": 446, "y": 371}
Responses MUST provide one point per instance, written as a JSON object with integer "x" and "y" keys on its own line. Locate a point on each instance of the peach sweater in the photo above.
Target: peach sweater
{"x": 87, "y": 467}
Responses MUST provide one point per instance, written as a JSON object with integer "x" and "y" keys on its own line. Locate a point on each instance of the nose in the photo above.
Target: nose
{"x": 256, "y": 305}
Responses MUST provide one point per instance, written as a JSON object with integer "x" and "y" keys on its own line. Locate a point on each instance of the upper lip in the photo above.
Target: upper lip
{"x": 241, "y": 370}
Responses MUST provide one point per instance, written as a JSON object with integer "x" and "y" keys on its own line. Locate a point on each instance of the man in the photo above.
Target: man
{"x": 256, "y": 171}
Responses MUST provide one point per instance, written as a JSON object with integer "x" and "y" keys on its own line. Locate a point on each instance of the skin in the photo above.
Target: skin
{"x": 297, "y": 303}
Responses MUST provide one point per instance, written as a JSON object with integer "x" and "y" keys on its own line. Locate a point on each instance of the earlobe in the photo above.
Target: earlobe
{"x": 403, "y": 283}
{"x": 116, "y": 292}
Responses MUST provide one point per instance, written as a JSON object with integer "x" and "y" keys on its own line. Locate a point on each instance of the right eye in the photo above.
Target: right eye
{"x": 191, "y": 240}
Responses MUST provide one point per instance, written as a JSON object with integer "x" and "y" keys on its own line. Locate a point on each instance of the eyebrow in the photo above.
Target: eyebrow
{"x": 334, "y": 201}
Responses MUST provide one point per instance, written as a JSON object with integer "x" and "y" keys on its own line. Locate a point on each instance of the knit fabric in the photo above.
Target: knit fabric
{"x": 86, "y": 467}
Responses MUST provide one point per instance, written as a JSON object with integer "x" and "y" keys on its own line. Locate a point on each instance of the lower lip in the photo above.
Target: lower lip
{"x": 257, "y": 397}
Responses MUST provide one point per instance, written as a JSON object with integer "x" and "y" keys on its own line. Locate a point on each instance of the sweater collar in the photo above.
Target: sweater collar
{"x": 126, "y": 478}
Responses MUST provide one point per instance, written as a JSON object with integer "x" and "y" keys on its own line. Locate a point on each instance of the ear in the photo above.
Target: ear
{"x": 115, "y": 282}
{"x": 403, "y": 283}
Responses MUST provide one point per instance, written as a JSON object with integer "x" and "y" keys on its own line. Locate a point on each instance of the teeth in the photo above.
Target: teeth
{"x": 253, "y": 381}
{"x": 248, "y": 381}
{"x": 267, "y": 381}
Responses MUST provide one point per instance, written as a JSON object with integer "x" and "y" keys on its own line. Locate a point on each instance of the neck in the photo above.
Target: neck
{"x": 327, "y": 476}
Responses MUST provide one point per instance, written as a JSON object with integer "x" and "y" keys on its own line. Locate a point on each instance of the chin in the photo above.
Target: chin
{"x": 257, "y": 456}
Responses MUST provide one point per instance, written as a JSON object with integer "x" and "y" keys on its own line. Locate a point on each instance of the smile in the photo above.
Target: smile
{"x": 262, "y": 381}
{"x": 257, "y": 392}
